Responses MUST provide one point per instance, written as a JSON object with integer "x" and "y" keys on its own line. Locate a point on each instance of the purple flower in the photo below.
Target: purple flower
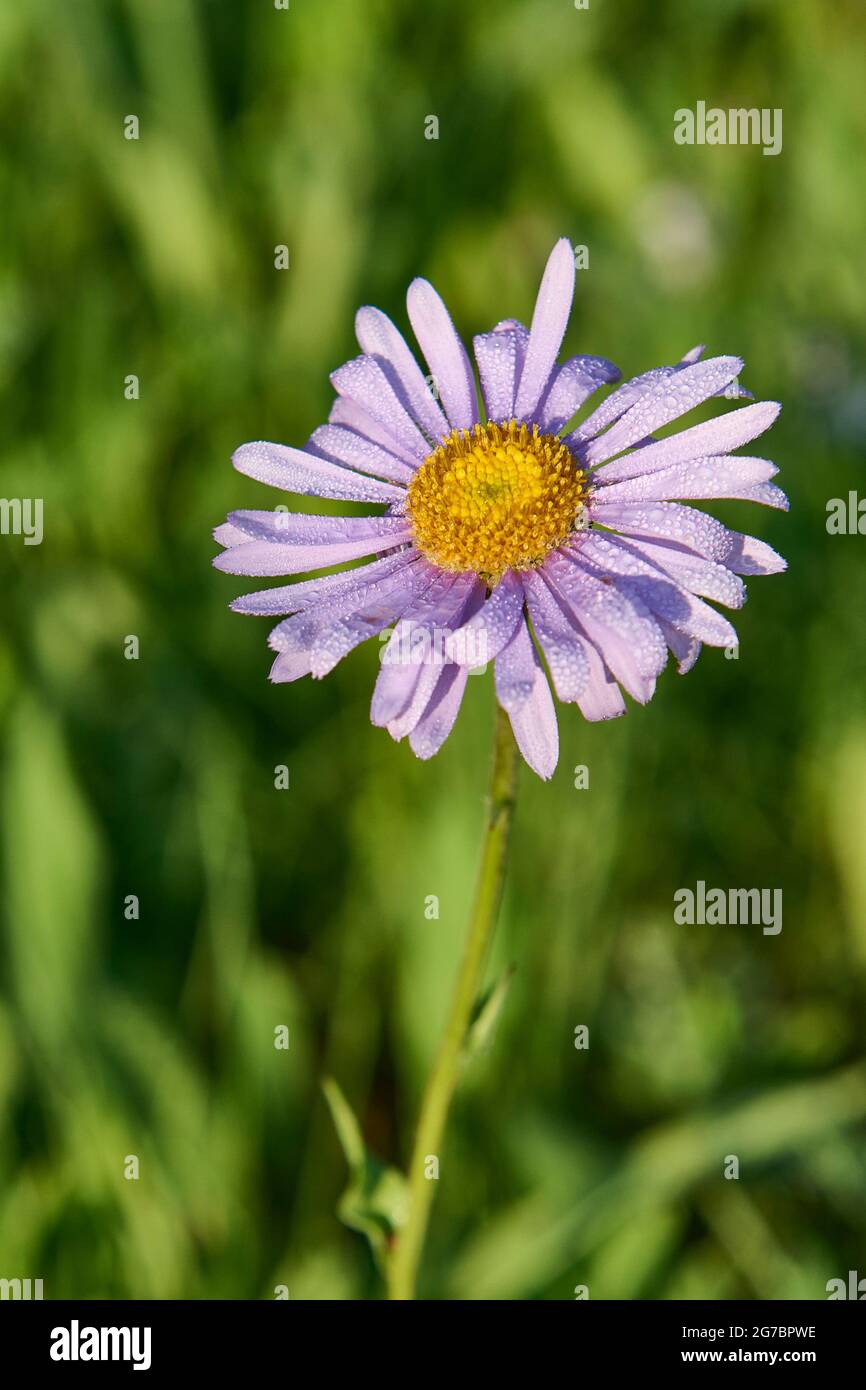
{"x": 511, "y": 536}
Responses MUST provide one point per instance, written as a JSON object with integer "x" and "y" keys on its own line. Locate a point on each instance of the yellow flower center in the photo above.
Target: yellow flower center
{"x": 495, "y": 498}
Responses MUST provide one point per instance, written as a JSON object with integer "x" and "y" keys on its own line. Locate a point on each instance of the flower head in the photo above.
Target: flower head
{"x": 512, "y": 536}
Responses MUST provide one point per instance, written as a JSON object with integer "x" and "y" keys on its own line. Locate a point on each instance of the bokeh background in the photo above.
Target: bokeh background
{"x": 305, "y": 907}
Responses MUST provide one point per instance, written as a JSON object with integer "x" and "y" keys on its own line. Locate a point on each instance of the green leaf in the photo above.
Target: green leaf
{"x": 54, "y": 873}
{"x": 484, "y": 1019}
{"x": 375, "y": 1201}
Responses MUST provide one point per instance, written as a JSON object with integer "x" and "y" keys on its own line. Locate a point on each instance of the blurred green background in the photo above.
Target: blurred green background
{"x": 305, "y": 907}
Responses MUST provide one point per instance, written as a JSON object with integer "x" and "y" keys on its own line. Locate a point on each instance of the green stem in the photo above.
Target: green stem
{"x": 409, "y": 1243}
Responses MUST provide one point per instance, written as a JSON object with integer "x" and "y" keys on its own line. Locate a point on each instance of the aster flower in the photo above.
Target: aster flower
{"x": 507, "y": 534}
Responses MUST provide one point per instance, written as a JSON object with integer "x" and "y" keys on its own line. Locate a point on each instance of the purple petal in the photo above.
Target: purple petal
{"x": 639, "y": 577}
{"x": 515, "y": 669}
{"x": 265, "y": 558}
{"x": 670, "y": 522}
{"x": 713, "y": 437}
{"x": 751, "y": 556}
{"x": 354, "y": 417}
{"x": 618, "y": 402}
{"x": 500, "y": 357}
{"x": 291, "y": 598}
{"x": 289, "y": 666}
{"x": 298, "y": 632}
{"x": 330, "y": 641}
{"x": 547, "y": 330}
{"x": 523, "y": 692}
{"x": 666, "y": 401}
{"x": 446, "y": 356}
{"x": 405, "y": 657}
{"x": 691, "y": 571}
{"x": 226, "y": 535}
{"x": 380, "y": 338}
{"x": 440, "y": 716}
{"x": 571, "y": 385}
{"x": 463, "y": 599}
{"x": 667, "y": 599}
{"x": 333, "y": 643}
{"x": 296, "y": 471}
{"x": 602, "y": 697}
{"x": 345, "y": 446}
{"x": 731, "y": 475}
{"x": 409, "y": 690}
{"x": 555, "y": 632}
{"x": 685, "y": 648}
{"x": 365, "y": 382}
{"x": 767, "y": 494}
{"x": 734, "y": 392}
{"x": 422, "y": 694}
{"x": 689, "y": 529}
{"x": 618, "y": 622}
{"x": 484, "y": 636}
{"x": 304, "y": 528}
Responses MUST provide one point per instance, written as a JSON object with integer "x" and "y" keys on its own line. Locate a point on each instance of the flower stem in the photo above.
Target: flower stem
{"x": 409, "y": 1243}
